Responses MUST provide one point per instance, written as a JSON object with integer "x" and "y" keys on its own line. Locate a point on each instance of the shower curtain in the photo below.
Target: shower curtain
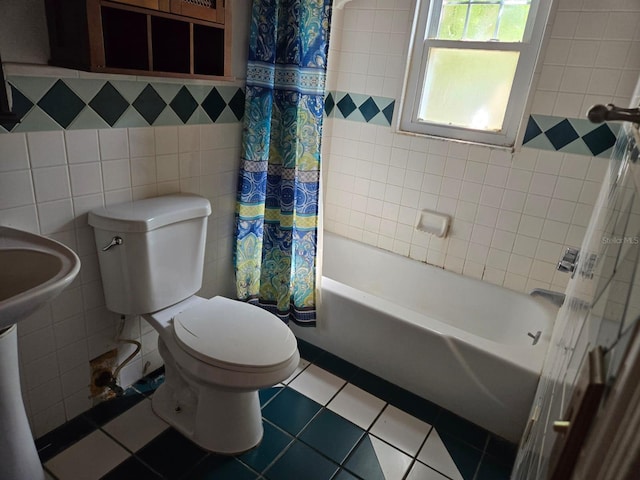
{"x": 278, "y": 191}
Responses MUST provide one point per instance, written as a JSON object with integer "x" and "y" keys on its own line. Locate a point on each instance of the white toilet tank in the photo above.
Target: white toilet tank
{"x": 157, "y": 253}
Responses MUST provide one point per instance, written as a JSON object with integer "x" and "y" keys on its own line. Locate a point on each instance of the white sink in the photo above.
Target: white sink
{"x": 33, "y": 271}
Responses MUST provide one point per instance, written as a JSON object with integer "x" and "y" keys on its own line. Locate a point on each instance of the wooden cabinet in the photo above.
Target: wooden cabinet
{"x": 177, "y": 38}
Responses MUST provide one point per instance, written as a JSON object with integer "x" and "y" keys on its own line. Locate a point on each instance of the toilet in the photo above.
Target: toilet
{"x": 217, "y": 352}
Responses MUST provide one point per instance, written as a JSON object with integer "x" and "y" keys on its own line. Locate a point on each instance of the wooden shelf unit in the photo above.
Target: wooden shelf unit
{"x": 142, "y": 37}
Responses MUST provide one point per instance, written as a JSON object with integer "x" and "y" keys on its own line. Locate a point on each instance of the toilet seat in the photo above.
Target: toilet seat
{"x": 235, "y": 336}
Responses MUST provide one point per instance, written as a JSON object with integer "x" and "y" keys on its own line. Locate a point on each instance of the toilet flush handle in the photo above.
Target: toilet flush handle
{"x": 114, "y": 241}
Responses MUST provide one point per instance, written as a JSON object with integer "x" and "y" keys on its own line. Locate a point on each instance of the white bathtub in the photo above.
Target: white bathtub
{"x": 456, "y": 341}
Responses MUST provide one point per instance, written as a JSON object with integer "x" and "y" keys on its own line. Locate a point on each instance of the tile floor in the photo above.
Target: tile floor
{"x": 329, "y": 421}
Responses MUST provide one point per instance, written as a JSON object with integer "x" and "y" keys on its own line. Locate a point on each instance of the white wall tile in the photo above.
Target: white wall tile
{"x": 46, "y": 149}
{"x": 114, "y": 143}
{"x": 13, "y": 152}
{"x": 85, "y": 178}
{"x": 16, "y": 189}
{"x": 116, "y": 174}
{"x": 142, "y": 142}
{"x": 82, "y": 146}
{"x": 51, "y": 183}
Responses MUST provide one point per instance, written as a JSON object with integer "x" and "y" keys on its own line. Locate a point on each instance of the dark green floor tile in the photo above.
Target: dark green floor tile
{"x": 110, "y": 409}
{"x": 364, "y": 461}
{"x": 344, "y": 475}
{"x": 273, "y": 443}
{"x": 462, "y": 429}
{"x": 132, "y": 468}
{"x": 171, "y": 454}
{"x": 218, "y": 467}
{"x": 490, "y": 469}
{"x": 501, "y": 450}
{"x": 267, "y": 394}
{"x": 290, "y": 411}
{"x": 301, "y": 462}
{"x": 332, "y": 435}
{"x": 465, "y": 456}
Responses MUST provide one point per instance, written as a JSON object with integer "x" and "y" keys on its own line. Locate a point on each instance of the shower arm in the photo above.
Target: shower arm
{"x": 609, "y": 112}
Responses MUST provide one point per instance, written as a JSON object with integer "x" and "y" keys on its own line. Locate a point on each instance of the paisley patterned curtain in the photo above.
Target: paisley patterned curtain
{"x": 277, "y": 208}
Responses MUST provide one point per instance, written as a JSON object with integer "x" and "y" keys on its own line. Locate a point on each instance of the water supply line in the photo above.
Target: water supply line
{"x": 112, "y": 381}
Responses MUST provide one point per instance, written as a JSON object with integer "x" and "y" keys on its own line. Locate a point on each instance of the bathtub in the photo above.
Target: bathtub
{"x": 456, "y": 341}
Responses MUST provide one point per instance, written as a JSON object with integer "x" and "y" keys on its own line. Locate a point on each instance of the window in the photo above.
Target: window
{"x": 470, "y": 68}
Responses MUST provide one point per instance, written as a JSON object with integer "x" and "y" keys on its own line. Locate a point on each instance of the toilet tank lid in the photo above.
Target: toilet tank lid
{"x": 150, "y": 213}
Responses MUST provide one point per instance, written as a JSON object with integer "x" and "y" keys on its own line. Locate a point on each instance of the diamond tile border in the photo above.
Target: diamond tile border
{"x": 57, "y": 104}
{"x": 543, "y": 132}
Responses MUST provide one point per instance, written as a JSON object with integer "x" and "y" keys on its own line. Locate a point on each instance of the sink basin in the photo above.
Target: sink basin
{"x": 33, "y": 271}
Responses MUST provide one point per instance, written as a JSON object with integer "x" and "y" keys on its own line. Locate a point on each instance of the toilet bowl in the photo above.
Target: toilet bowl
{"x": 217, "y": 352}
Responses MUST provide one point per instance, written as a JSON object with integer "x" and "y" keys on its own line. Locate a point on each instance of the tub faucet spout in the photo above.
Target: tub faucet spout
{"x": 557, "y": 298}
{"x": 535, "y": 336}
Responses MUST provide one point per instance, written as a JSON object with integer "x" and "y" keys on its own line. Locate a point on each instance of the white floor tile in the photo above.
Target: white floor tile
{"x": 435, "y": 454}
{"x": 422, "y": 472}
{"x": 357, "y": 406}
{"x": 89, "y": 459}
{"x": 301, "y": 366}
{"x": 393, "y": 462}
{"x": 317, "y": 384}
{"x": 136, "y": 427}
{"x": 401, "y": 429}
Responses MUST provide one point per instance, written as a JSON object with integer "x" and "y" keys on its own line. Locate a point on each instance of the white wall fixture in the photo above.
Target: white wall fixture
{"x": 433, "y": 222}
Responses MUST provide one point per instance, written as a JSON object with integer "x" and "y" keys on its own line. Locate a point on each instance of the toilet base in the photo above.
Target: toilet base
{"x": 220, "y": 421}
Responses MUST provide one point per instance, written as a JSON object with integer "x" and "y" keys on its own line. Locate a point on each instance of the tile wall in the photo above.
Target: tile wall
{"x": 513, "y": 214}
{"x": 50, "y": 179}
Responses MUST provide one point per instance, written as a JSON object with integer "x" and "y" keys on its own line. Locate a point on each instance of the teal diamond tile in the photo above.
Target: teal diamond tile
{"x": 369, "y": 109}
{"x": 561, "y": 134}
{"x": 329, "y": 103}
{"x": 20, "y": 107}
{"x": 183, "y": 104}
{"x": 109, "y": 104}
{"x": 599, "y": 139}
{"x": 388, "y": 111}
{"x": 214, "y": 104}
{"x": 61, "y": 104}
{"x": 532, "y": 131}
{"x": 346, "y": 106}
{"x": 236, "y": 103}
{"x": 149, "y": 104}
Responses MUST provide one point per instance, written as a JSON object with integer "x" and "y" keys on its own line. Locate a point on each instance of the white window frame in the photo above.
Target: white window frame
{"x": 427, "y": 13}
